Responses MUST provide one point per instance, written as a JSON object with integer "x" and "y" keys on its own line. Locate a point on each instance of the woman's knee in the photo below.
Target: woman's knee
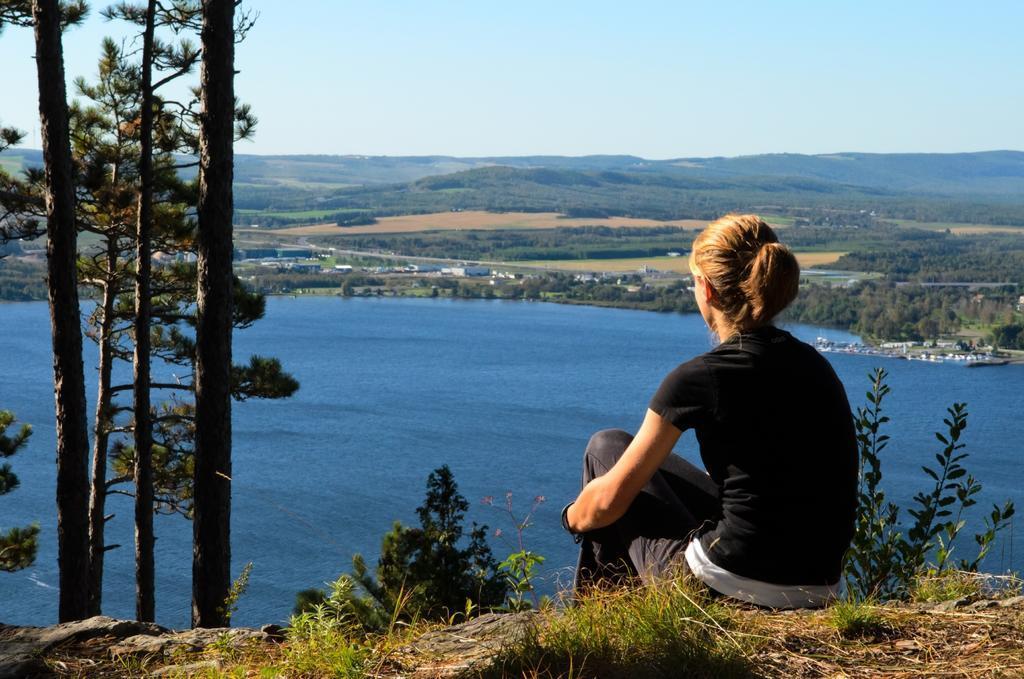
{"x": 605, "y": 448}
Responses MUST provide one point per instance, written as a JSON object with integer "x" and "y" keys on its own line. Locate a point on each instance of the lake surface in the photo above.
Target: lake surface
{"x": 505, "y": 393}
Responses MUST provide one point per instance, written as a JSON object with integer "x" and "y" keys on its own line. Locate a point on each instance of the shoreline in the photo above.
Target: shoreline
{"x": 866, "y": 348}
{"x": 968, "y": 359}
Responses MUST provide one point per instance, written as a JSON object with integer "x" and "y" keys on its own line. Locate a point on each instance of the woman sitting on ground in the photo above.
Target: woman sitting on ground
{"x": 771, "y": 519}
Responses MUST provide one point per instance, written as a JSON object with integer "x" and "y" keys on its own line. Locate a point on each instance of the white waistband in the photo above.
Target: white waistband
{"x": 752, "y": 591}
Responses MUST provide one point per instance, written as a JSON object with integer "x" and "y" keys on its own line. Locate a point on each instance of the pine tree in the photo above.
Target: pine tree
{"x": 48, "y": 19}
{"x": 211, "y": 562}
{"x": 17, "y": 545}
{"x": 423, "y": 572}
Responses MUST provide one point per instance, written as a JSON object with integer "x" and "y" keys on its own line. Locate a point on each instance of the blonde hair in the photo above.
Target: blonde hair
{"x": 754, "y": 276}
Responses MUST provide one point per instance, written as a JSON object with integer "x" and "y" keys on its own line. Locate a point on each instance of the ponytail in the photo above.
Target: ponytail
{"x": 772, "y": 282}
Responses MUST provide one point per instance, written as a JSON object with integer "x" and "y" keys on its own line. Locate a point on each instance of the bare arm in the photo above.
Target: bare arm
{"x": 605, "y": 499}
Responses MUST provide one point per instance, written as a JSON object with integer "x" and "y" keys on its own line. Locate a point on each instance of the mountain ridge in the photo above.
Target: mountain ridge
{"x": 996, "y": 173}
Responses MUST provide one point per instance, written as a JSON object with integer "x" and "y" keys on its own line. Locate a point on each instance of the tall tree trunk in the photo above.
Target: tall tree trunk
{"x": 145, "y": 600}
{"x": 101, "y": 437}
{"x": 62, "y": 283}
{"x": 211, "y": 558}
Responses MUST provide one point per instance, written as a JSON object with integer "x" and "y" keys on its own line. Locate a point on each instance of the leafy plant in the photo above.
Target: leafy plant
{"x": 323, "y": 636}
{"x": 238, "y": 587}
{"x": 884, "y": 563}
{"x": 520, "y": 567}
{"x": 872, "y": 558}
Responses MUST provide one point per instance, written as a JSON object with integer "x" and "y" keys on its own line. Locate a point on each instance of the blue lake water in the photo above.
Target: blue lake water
{"x": 505, "y": 393}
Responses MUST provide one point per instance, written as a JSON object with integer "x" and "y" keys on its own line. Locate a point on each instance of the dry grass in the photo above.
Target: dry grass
{"x": 674, "y": 264}
{"x": 478, "y": 220}
{"x": 905, "y": 642}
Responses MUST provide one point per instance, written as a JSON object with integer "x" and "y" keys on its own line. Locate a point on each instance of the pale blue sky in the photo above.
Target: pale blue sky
{"x": 655, "y": 79}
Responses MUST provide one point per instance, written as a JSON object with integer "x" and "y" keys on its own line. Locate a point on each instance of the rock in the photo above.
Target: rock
{"x": 981, "y": 605}
{"x": 19, "y": 668}
{"x": 142, "y": 645}
{"x": 970, "y": 603}
{"x": 21, "y": 647}
{"x": 953, "y": 604}
{"x": 191, "y": 641}
{"x": 466, "y": 647}
{"x": 274, "y": 632}
{"x": 188, "y": 670}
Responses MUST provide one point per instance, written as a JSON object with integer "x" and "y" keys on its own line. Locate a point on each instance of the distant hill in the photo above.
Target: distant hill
{"x": 924, "y": 186}
{"x": 990, "y": 173}
{"x": 987, "y": 173}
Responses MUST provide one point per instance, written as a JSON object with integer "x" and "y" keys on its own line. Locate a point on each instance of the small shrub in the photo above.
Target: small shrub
{"x": 325, "y": 652}
{"x": 325, "y": 639}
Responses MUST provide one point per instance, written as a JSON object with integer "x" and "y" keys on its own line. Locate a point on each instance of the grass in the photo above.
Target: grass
{"x": 932, "y": 587}
{"x": 672, "y": 628}
{"x": 859, "y": 620}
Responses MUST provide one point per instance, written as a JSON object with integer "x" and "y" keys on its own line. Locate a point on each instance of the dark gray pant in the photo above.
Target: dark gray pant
{"x": 653, "y": 533}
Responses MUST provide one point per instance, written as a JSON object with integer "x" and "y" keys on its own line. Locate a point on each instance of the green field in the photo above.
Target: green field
{"x": 959, "y": 227}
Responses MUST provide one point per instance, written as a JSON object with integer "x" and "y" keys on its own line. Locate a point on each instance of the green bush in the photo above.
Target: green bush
{"x": 886, "y": 558}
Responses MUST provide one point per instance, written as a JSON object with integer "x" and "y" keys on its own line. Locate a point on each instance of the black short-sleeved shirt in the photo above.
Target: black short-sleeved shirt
{"x": 776, "y": 434}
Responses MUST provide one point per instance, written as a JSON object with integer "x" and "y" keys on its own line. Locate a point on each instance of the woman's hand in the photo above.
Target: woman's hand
{"x": 605, "y": 499}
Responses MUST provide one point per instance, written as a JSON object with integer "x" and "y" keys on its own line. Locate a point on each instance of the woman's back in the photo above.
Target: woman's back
{"x": 775, "y": 433}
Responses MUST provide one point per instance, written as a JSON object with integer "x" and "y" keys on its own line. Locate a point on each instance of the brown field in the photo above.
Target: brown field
{"x": 674, "y": 264}
{"x": 474, "y": 220}
{"x": 807, "y": 259}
